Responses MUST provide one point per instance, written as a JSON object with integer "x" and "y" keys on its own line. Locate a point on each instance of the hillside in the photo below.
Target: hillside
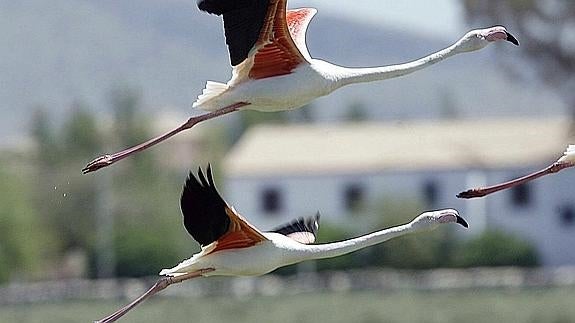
{"x": 56, "y": 52}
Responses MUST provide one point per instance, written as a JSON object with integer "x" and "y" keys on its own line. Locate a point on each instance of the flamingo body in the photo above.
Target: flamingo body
{"x": 263, "y": 258}
{"x": 231, "y": 246}
{"x": 272, "y": 69}
{"x": 568, "y": 155}
{"x": 278, "y": 73}
{"x": 286, "y": 92}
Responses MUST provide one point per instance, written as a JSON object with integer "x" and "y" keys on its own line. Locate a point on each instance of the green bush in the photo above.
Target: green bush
{"x": 144, "y": 252}
{"x": 495, "y": 248}
{"x": 327, "y": 233}
{"x": 21, "y": 233}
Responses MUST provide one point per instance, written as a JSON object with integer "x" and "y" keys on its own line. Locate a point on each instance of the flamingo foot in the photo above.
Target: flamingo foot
{"x": 471, "y": 193}
{"x": 98, "y": 163}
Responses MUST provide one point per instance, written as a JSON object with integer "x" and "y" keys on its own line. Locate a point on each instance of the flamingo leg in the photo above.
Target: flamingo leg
{"x": 161, "y": 284}
{"x": 482, "y": 191}
{"x": 108, "y": 160}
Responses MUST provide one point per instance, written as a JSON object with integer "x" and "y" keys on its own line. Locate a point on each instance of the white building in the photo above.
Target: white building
{"x": 276, "y": 173}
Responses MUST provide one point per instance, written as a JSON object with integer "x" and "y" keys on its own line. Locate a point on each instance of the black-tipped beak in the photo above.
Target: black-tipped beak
{"x": 512, "y": 39}
{"x": 462, "y": 221}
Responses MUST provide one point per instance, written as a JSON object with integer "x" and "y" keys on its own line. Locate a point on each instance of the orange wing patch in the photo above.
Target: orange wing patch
{"x": 240, "y": 234}
{"x": 277, "y": 54}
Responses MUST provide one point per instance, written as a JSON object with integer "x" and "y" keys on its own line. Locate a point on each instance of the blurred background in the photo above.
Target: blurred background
{"x": 79, "y": 78}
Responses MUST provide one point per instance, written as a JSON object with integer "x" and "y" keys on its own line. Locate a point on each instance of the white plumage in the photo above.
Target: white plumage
{"x": 278, "y": 73}
{"x": 233, "y": 247}
{"x": 568, "y": 155}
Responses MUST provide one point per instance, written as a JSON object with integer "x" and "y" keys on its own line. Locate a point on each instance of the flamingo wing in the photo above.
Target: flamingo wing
{"x": 303, "y": 230}
{"x": 262, "y": 43}
{"x": 276, "y": 51}
{"x": 243, "y": 22}
{"x": 298, "y": 20}
{"x": 208, "y": 218}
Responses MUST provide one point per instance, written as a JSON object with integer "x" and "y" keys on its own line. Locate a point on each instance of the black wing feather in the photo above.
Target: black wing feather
{"x": 309, "y": 224}
{"x": 203, "y": 209}
{"x": 243, "y": 22}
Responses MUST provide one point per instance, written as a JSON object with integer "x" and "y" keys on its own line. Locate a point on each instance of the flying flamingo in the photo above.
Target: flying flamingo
{"x": 272, "y": 69}
{"x": 233, "y": 247}
{"x": 566, "y": 161}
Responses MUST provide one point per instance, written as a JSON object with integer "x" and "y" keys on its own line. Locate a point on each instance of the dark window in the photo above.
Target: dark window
{"x": 353, "y": 197}
{"x": 271, "y": 200}
{"x": 431, "y": 192}
{"x": 521, "y": 195}
{"x": 567, "y": 215}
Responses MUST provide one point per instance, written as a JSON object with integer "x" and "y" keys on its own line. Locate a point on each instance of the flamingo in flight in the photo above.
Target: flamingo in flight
{"x": 272, "y": 69}
{"x": 233, "y": 247}
{"x": 565, "y": 161}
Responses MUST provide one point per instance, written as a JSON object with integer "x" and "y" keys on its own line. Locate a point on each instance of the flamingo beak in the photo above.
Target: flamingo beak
{"x": 510, "y": 38}
{"x": 461, "y": 221}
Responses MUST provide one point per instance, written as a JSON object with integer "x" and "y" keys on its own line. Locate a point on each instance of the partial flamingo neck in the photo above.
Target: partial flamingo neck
{"x": 345, "y": 76}
{"x": 335, "y": 249}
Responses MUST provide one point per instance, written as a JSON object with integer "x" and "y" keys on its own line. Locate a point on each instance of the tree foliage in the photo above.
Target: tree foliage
{"x": 141, "y": 197}
{"x": 495, "y": 248}
{"x": 438, "y": 248}
{"x": 23, "y": 243}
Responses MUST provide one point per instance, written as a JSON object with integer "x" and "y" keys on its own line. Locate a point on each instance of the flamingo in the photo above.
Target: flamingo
{"x": 231, "y": 246}
{"x": 272, "y": 69}
{"x": 565, "y": 161}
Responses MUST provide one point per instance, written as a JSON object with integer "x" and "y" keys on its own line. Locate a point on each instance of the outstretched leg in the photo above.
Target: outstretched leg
{"x": 482, "y": 191}
{"x": 161, "y": 284}
{"x": 108, "y": 160}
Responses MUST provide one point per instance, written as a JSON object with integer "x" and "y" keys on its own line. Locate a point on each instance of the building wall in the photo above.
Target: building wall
{"x": 539, "y": 219}
{"x": 544, "y": 219}
{"x": 305, "y": 195}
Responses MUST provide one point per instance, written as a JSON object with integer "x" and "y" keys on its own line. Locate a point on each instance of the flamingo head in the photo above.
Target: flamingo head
{"x": 431, "y": 220}
{"x": 479, "y": 38}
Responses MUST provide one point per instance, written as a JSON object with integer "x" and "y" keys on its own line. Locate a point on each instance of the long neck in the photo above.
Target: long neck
{"x": 335, "y": 249}
{"x": 347, "y": 76}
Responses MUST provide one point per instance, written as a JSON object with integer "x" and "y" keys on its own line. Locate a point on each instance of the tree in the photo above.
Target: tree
{"x": 356, "y": 111}
{"x": 147, "y": 227}
{"x": 24, "y": 242}
{"x": 546, "y": 29}
{"x": 417, "y": 251}
{"x": 80, "y": 138}
{"x": 45, "y": 139}
{"x": 495, "y": 248}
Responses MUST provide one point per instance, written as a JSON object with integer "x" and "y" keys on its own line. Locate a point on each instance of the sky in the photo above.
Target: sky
{"x": 442, "y": 18}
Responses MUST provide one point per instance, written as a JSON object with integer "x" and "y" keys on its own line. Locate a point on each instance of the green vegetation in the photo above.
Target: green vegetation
{"x": 138, "y": 197}
{"x": 19, "y": 250}
{"x": 439, "y": 248}
{"x": 51, "y": 214}
{"x": 528, "y": 306}
{"x": 495, "y": 248}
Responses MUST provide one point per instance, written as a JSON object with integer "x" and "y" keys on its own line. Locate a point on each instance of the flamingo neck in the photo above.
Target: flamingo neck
{"x": 360, "y": 75}
{"x": 335, "y": 249}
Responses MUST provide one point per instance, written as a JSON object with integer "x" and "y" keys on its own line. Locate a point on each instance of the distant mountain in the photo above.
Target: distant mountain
{"x": 58, "y": 51}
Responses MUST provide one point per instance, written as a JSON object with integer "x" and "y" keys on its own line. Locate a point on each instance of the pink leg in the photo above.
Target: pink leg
{"x": 482, "y": 191}
{"x": 108, "y": 160}
{"x": 161, "y": 284}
